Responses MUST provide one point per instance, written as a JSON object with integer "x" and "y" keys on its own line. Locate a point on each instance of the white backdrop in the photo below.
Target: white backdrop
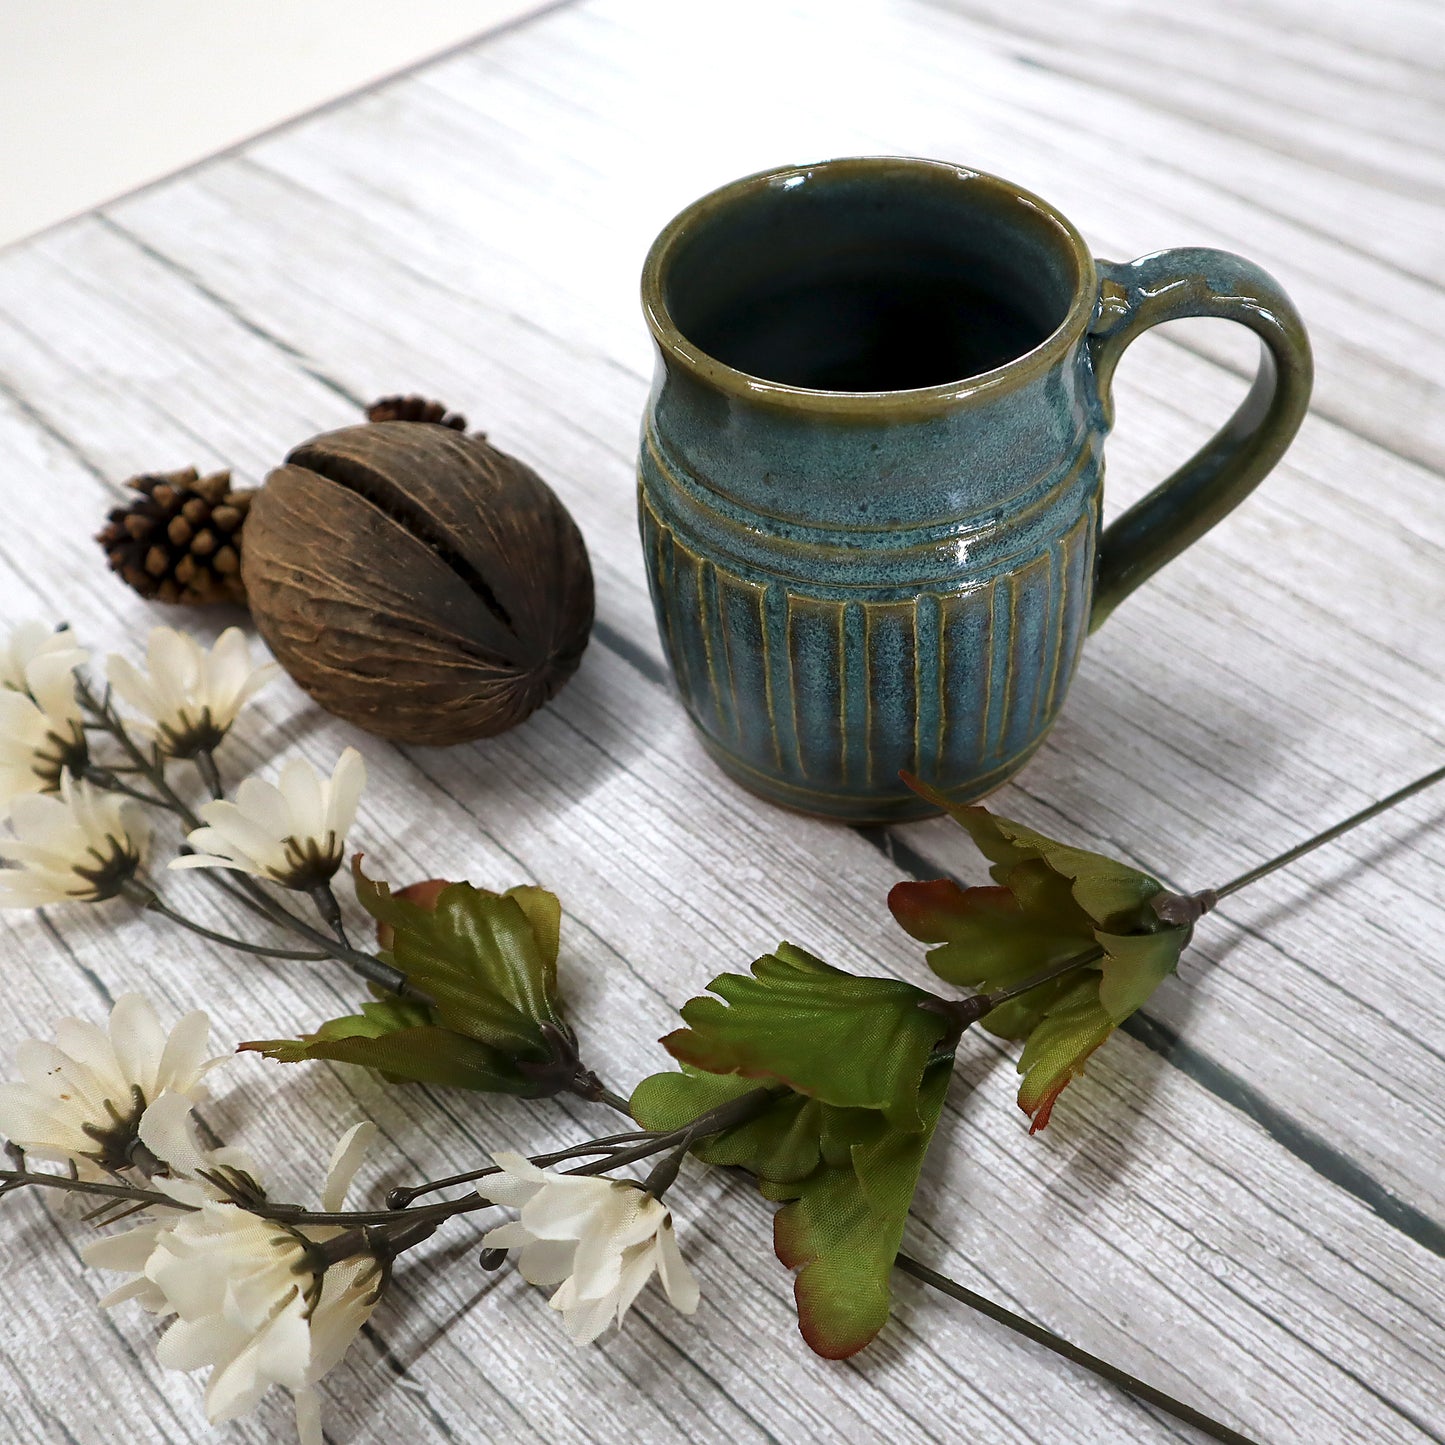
{"x": 100, "y": 96}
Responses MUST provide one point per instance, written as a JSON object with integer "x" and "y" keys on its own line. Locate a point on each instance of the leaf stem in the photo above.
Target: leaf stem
{"x": 1283, "y": 860}
{"x": 1060, "y": 1346}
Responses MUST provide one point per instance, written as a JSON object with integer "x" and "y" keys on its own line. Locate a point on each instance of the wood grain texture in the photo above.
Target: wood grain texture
{"x": 1242, "y": 1200}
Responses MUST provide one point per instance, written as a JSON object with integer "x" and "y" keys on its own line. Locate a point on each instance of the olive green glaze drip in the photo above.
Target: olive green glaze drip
{"x": 862, "y": 562}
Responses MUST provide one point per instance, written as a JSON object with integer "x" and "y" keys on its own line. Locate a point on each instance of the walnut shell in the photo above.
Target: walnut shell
{"x": 417, "y": 582}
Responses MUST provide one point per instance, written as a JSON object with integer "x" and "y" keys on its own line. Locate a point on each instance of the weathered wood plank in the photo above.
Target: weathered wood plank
{"x": 454, "y": 323}
{"x": 476, "y": 232}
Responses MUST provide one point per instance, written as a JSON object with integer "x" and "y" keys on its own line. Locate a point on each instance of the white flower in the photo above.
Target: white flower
{"x": 189, "y": 696}
{"x": 42, "y": 730}
{"x": 31, "y": 640}
{"x": 599, "y": 1238}
{"x": 254, "y": 1301}
{"x": 81, "y": 1098}
{"x": 293, "y": 832}
{"x": 82, "y": 847}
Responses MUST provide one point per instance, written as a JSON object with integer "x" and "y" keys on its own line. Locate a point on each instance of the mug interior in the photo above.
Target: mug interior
{"x": 869, "y": 276}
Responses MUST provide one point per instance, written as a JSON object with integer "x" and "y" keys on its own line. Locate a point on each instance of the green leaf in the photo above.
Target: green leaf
{"x": 489, "y": 960}
{"x": 997, "y": 938}
{"x": 847, "y": 1041}
{"x": 846, "y": 1179}
{"x": 786, "y": 1142}
{"x": 1055, "y": 903}
{"x": 842, "y": 1226}
{"x": 489, "y": 963}
{"x": 1134, "y": 965}
{"x": 419, "y": 1055}
{"x": 781, "y": 1143}
{"x": 1059, "y": 1047}
{"x": 385, "y": 1014}
{"x": 1112, "y": 894}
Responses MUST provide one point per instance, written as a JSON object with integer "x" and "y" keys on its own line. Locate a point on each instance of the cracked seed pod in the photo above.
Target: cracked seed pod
{"x": 418, "y": 582}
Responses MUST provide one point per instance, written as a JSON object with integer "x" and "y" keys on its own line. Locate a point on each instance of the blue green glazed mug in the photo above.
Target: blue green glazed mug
{"x": 872, "y": 467}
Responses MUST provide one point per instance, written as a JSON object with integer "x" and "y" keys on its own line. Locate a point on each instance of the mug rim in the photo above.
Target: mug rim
{"x": 895, "y": 404}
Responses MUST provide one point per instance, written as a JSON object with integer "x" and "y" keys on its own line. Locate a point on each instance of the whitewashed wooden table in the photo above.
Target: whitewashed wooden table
{"x": 1242, "y": 1200}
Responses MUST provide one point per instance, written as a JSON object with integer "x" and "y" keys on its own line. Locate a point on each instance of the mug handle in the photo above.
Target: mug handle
{"x": 1166, "y": 286}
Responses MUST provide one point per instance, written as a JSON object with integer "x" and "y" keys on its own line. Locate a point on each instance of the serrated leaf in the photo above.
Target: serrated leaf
{"x": 420, "y": 1055}
{"x": 847, "y": 1041}
{"x": 997, "y": 938}
{"x": 488, "y": 960}
{"x": 1114, "y": 895}
{"x": 1055, "y": 903}
{"x": 841, "y": 1228}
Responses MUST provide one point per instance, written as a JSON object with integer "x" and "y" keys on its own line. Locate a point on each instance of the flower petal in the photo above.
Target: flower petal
{"x": 586, "y": 1321}
{"x": 137, "y": 1039}
{"x": 546, "y": 1261}
{"x": 672, "y": 1269}
{"x": 347, "y": 782}
{"x": 345, "y": 1161}
{"x": 167, "y": 1131}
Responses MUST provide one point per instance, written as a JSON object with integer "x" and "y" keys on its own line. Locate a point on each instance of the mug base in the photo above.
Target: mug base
{"x": 871, "y": 809}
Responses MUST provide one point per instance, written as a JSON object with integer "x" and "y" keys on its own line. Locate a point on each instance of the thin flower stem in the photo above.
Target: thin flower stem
{"x": 725, "y": 1116}
{"x": 1050, "y": 1341}
{"x": 205, "y": 761}
{"x": 155, "y": 905}
{"x": 367, "y": 965}
{"x": 70, "y": 1184}
{"x": 150, "y": 767}
{"x": 402, "y": 1196}
{"x": 330, "y": 911}
{"x": 107, "y": 779}
{"x": 1330, "y": 834}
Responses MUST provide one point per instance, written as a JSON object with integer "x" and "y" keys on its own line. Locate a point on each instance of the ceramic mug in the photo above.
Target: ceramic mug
{"x": 871, "y": 468}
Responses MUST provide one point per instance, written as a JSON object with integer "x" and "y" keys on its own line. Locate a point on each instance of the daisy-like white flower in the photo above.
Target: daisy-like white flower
{"x": 188, "y": 696}
{"x": 81, "y": 1097}
{"x": 599, "y": 1239}
{"x": 292, "y": 832}
{"x": 257, "y": 1302}
{"x": 31, "y": 640}
{"x": 80, "y": 847}
{"x": 42, "y": 730}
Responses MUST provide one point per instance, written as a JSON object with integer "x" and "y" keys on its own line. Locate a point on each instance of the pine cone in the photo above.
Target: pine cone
{"x": 180, "y": 539}
{"x": 414, "y": 408}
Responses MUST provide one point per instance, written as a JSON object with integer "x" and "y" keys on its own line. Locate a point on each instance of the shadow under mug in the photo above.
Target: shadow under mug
{"x": 871, "y": 468}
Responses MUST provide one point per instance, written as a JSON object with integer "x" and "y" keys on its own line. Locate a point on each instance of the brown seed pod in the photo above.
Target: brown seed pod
{"x": 418, "y": 582}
